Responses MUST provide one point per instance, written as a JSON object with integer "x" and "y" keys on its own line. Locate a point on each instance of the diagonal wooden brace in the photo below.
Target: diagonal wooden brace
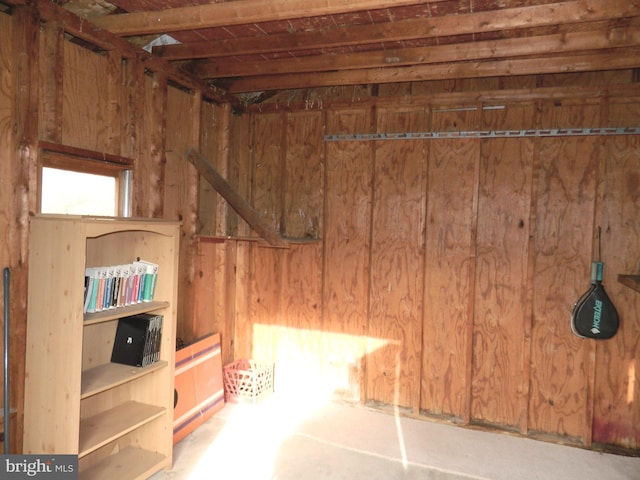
{"x": 234, "y": 199}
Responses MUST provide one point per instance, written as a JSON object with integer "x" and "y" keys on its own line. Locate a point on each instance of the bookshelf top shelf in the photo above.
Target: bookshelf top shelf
{"x": 97, "y": 226}
{"x": 115, "y": 313}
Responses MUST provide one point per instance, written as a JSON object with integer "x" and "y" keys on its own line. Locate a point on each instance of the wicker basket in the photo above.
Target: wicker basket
{"x": 246, "y": 381}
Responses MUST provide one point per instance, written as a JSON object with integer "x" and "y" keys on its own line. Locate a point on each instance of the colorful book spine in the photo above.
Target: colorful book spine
{"x": 113, "y": 286}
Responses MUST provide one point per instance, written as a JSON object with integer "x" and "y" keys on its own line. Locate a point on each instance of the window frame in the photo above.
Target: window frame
{"x": 84, "y": 164}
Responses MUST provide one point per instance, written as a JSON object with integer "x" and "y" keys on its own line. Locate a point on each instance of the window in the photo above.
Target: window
{"x": 79, "y": 186}
{"x": 66, "y": 191}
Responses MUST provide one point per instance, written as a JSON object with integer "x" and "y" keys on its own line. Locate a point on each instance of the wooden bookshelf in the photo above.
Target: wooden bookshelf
{"x": 116, "y": 418}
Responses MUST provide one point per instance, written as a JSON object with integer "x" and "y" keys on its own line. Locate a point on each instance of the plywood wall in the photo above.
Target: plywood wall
{"x": 93, "y": 100}
{"x": 445, "y": 269}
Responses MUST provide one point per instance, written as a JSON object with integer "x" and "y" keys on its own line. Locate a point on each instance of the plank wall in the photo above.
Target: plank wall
{"x": 75, "y": 89}
{"x": 431, "y": 276}
{"x": 443, "y": 271}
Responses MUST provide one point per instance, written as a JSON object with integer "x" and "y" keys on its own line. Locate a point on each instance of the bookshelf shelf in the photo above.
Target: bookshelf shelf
{"x": 110, "y": 375}
{"x": 115, "y": 313}
{"x": 104, "y": 427}
{"x": 116, "y": 418}
{"x": 137, "y": 462}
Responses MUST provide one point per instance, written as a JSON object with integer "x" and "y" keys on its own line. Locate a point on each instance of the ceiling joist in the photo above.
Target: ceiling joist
{"x": 248, "y": 50}
{"x": 578, "y": 11}
{"x": 621, "y": 58}
{"x": 460, "y": 52}
{"x": 236, "y": 13}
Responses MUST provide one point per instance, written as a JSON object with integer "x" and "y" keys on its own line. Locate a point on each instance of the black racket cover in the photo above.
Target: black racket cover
{"x": 595, "y": 316}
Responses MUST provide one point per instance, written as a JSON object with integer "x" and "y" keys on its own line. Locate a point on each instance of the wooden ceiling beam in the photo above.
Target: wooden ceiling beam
{"x": 235, "y": 13}
{"x": 610, "y": 60}
{"x": 481, "y": 50}
{"x": 576, "y": 11}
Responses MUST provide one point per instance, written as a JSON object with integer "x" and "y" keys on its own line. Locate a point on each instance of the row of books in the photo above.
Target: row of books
{"x": 119, "y": 285}
{"x": 137, "y": 341}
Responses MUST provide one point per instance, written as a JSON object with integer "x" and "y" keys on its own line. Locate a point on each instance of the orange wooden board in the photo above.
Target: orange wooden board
{"x": 199, "y": 391}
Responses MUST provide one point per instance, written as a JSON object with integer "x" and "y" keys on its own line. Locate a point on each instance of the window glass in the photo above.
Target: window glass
{"x": 76, "y": 193}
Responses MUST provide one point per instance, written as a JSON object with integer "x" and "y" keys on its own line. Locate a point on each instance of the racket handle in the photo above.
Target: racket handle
{"x": 596, "y": 272}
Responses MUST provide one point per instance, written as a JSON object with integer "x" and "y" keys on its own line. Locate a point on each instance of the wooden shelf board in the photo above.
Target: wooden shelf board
{"x": 223, "y": 238}
{"x": 109, "y": 375}
{"x": 113, "y": 313}
{"x": 631, "y": 281}
{"x": 136, "y": 462}
{"x": 106, "y": 426}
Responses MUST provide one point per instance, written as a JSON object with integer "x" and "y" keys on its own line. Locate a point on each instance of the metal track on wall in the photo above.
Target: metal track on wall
{"x": 550, "y": 132}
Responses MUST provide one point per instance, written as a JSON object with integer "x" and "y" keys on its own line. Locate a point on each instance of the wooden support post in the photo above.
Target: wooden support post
{"x": 238, "y": 203}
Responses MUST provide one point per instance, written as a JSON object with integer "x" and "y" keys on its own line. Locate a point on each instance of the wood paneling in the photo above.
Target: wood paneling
{"x": 297, "y": 338}
{"x": 500, "y": 289}
{"x": 348, "y": 196}
{"x": 616, "y": 416}
{"x": 85, "y": 108}
{"x": 449, "y": 266}
{"x": 450, "y": 250}
{"x": 566, "y": 201}
{"x": 396, "y": 289}
{"x": 9, "y": 167}
{"x": 149, "y": 172}
{"x": 560, "y": 361}
{"x": 266, "y": 266}
{"x": 303, "y": 175}
{"x": 267, "y": 145}
{"x": 208, "y": 198}
{"x": 20, "y": 84}
{"x": 181, "y": 193}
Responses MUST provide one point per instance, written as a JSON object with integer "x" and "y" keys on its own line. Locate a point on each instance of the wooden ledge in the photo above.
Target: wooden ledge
{"x": 631, "y": 281}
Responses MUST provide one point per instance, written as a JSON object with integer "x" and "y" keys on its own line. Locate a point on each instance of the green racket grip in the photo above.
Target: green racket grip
{"x": 596, "y": 272}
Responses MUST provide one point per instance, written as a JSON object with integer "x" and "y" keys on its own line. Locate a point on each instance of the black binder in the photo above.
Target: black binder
{"x": 137, "y": 340}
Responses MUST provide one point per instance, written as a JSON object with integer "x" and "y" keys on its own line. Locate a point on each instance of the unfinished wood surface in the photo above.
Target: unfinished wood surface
{"x": 207, "y": 282}
{"x": 181, "y": 193}
{"x": 494, "y": 350}
{"x": 222, "y": 143}
{"x": 240, "y": 171}
{"x": 450, "y": 247}
{"x": 8, "y": 165}
{"x": 397, "y": 276}
{"x": 297, "y": 339}
{"x": 7, "y": 139}
{"x": 303, "y": 175}
{"x": 501, "y": 272}
{"x": 498, "y": 117}
{"x": 132, "y": 109}
{"x": 267, "y": 163}
{"x": 266, "y": 266}
{"x": 208, "y": 198}
{"x": 567, "y": 186}
{"x": 242, "y": 335}
{"x": 114, "y": 92}
{"x": 600, "y": 37}
{"x": 150, "y": 169}
{"x": 204, "y": 168}
{"x": 348, "y": 196}
{"x": 616, "y": 417}
{"x": 565, "y": 208}
{"x": 85, "y": 118}
{"x": 22, "y": 160}
{"x": 51, "y": 69}
{"x": 223, "y": 14}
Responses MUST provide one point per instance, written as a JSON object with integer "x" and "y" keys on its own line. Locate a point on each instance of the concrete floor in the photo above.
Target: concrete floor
{"x": 278, "y": 439}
